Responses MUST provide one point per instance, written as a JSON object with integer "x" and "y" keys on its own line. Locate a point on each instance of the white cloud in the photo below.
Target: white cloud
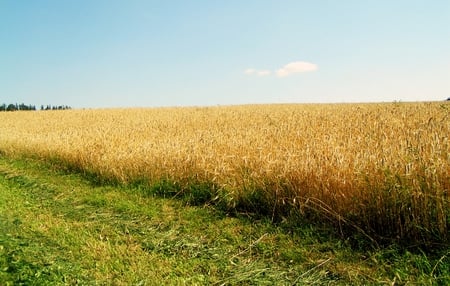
{"x": 290, "y": 68}
{"x": 257, "y": 72}
{"x": 296, "y": 67}
{"x": 263, "y": 72}
{"x": 249, "y": 71}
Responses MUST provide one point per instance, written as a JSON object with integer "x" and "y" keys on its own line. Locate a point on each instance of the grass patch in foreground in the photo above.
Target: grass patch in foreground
{"x": 57, "y": 228}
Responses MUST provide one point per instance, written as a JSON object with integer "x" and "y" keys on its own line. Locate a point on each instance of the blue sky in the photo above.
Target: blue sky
{"x": 109, "y": 53}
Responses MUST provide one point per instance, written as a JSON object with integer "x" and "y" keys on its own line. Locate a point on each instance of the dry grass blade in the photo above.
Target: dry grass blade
{"x": 248, "y": 248}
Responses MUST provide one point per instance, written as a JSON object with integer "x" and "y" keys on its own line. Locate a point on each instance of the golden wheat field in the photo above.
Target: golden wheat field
{"x": 383, "y": 169}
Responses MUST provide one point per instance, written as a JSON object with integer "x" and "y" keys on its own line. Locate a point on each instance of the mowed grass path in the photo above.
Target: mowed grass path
{"x": 57, "y": 228}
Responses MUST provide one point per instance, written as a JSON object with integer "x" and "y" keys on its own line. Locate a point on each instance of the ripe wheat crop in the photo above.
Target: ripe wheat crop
{"x": 379, "y": 169}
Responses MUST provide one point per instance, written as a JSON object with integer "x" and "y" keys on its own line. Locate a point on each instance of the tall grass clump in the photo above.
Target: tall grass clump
{"x": 380, "y": 170}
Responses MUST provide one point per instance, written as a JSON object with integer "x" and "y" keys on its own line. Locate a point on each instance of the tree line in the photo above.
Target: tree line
{"x": 22, "y": 106}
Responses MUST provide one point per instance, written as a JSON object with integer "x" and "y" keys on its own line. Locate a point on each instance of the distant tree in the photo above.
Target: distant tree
{"x": 25, "y": 107}
{"x": 12, "y": 107}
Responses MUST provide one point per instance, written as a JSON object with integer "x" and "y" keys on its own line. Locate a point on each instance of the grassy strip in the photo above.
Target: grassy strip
{"x": 58, "y": 228}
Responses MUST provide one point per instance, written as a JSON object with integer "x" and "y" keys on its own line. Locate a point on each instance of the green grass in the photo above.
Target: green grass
{"x": 58, "y": 228}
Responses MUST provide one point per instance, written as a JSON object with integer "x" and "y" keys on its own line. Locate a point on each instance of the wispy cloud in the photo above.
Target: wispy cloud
{"x": 257, "y": 72}
{"x": 288, "y": 69}
{"x": 295, "y": 67}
